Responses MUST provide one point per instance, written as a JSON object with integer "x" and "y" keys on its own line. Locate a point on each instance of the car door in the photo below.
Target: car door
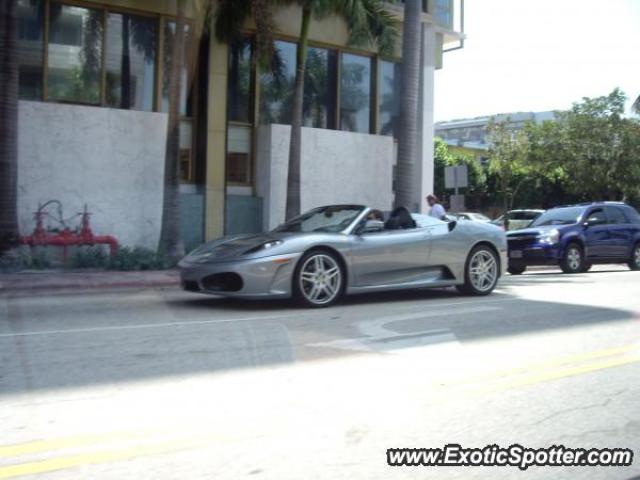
{"x": 390, "y": 257}
{"x": 597, "y": 238}
{"x": 621, "y": 232}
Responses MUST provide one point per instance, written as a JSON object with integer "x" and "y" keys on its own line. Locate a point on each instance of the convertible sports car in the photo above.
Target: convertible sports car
{"x": 344, "y": 249}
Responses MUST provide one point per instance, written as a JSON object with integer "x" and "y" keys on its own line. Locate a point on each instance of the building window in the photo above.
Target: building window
{"x": 319, "y": 103}
{"x": 443, "y": 12}
{"x": 355, "y": 93}
{"x": 238, "y": 165}
{"x": 276, "y": 85}
{"x": 75, "y": 54}
{"x": 389, "y": 108}
{"x": 30, "y": 54}
{"x": 131, "y": 46}
{"x": 240, "y": 81}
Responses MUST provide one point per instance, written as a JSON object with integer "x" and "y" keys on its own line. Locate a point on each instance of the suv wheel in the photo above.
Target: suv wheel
{"x": 516, "y": 269}
{"x": 634, "y": 262}
{"x": 573, "y": 260}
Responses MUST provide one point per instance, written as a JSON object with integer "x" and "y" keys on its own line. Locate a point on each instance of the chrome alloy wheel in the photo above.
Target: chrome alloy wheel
{"x": 574, "y": 258}
{"x": 483, "y": 270}
{"x": 320, "y": 279}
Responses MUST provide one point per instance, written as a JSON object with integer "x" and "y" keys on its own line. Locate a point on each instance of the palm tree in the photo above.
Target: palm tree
{"x": 367, "y": 21}
{"x": 636, "y": 105}
{"x": 170, "y": 243}
{"x": 8, "y": 125}
{"x": 409, "y": 97}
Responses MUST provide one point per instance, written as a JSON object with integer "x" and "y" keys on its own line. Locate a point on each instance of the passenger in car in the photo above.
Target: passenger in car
{"x": 400, "y": 219}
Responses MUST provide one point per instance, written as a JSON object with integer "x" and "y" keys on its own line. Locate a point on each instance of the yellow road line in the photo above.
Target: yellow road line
{"x": 73, "y": 441}
{"x": 559, "y": 361}
{"x": 71, "y": 461}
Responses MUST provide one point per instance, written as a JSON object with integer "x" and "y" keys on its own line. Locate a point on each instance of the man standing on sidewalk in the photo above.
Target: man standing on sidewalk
{"x": 437, "y": 210}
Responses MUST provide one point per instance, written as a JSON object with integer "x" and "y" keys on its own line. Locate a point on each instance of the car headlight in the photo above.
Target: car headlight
{"x": 263, "y": 246}
{"x": 550, "y": 237}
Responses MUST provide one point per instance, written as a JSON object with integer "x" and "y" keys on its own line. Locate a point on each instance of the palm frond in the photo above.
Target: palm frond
{"x": 370, "y": 23}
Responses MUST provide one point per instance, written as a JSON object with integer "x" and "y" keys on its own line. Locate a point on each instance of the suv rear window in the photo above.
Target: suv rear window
{"x": 615, "y": 215}
{"x": 632, "y": 214}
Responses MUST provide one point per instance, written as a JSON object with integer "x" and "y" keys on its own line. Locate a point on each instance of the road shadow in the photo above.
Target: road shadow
{"x": 115, "y": 343}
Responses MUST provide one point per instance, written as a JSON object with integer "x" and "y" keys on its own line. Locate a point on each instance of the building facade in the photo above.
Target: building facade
{"x": 469, "y": 135}
{"x": 94, "y": 94}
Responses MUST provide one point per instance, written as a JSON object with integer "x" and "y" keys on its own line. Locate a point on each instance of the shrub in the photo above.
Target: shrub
{"x": 139, "y": 258}
{"x": 25, "y": 258}
{"x": 89, "y": 257}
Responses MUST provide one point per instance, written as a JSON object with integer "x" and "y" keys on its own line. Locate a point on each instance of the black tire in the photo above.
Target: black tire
{"x": 573, "y": 259}
{"x": 470, "y": 286}
{"x": 634, "y": 261}
{"x": 329, "y": 290}
{"x": 586, "y": 267}
{"x": 516, "y": 269}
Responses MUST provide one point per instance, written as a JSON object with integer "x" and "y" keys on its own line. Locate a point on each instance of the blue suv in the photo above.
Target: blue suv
{"x": 577, "y": 236}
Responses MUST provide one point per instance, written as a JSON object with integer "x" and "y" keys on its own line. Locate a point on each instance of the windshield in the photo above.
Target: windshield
{"x": 332, "y": 219}
{"x": 559, "y": 216}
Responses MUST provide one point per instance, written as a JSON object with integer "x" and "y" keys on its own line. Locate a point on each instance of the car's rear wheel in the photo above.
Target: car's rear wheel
{"x": 634, "y": 262}
{"x": 318, "y": 280}
{"x": 516, "y": 269}
{"x": 573, "y": 259}
{"x": 481, "y": 272}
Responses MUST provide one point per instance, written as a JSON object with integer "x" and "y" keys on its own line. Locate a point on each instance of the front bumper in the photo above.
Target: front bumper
{"x": 534, "y": 254}
{"x": 265, "y": 277}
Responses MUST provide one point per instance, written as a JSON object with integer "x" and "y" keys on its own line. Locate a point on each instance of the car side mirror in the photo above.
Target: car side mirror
{"x": 371, "y": 226}
{"x": 593, "y": 222}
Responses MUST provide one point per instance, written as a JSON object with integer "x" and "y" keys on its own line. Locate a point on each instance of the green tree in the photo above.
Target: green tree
{"x": 592, "y": 148}
{"x": 508, "y": 155}
{"x": 8, "y": 125}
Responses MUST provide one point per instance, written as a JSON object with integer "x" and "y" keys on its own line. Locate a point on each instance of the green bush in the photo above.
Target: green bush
{"x": 25, "y": 258}
{"x": 89, "y": 257}
{"x": 139, "y": 258}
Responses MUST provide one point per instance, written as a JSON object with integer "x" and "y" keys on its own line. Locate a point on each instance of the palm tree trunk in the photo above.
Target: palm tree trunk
{"x": 293, "y": 177}
{"x": 125, "y": 74}
{"x": 170, "y": 242}
{"x": 409, "y": 97}
{"x": 8, "y": 126}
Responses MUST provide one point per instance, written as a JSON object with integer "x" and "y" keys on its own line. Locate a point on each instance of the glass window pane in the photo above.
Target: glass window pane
{"x": 239, "y": 154}
{"x": 130, "y": 61}
{"x": 75, "y": 53}
{"x": 276, "y": 85}
{"x": 442, "y": 12}
{"x": 355, "y": 93}
{"x": 169, "y": 38}
{"x": 30, "y": 44}
{"x": 240, "y": 81}
{"x": 320, "y": 88}
{"x": 389, "y": 85}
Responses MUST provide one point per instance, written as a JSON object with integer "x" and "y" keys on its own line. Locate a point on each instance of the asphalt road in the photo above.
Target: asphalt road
{"x": 161, "y": 384}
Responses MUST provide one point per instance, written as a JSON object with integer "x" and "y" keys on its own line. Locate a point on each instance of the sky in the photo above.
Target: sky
{"x": 526, "y": 55}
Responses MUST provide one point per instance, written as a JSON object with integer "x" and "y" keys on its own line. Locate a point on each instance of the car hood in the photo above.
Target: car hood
{"x": 533, "y": 231}
{"x": 231, "y": 246}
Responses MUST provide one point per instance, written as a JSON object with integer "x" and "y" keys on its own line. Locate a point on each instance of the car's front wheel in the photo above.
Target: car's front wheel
{"x": 573, "y": 259}
{"x": 481, "y": 272}
{"x": 634, "y": 262}
{"x": 318, "y": 280}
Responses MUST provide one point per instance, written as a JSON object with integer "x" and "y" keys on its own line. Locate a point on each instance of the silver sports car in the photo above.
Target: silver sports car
{"x": 343, "y": 249}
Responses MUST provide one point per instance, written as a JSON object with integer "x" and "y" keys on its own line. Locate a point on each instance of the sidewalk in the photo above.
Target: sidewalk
{"x": 27, "y": 281}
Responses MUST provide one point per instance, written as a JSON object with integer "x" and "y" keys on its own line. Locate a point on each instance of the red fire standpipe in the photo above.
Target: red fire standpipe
{"x": 66, "y": 238}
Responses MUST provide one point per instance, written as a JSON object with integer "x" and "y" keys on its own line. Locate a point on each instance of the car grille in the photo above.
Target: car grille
{"x": 190, "y": 286}
{"x": 520, "y": 241}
